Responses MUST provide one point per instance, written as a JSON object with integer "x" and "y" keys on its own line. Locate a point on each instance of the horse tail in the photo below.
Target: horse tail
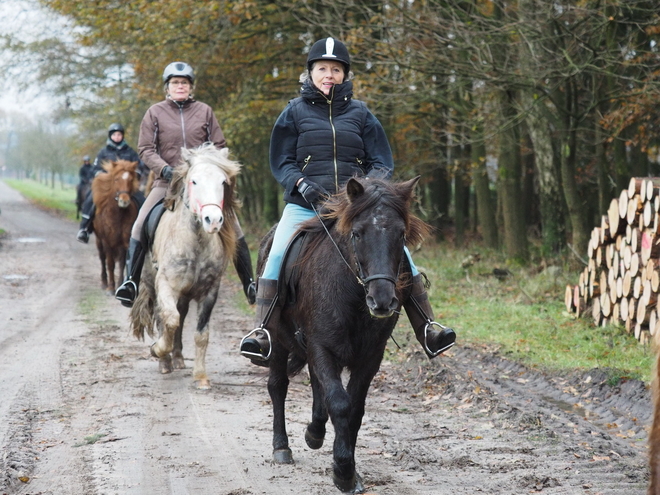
{"x": 143, "y": 316}
{"x": 295, "y": 364}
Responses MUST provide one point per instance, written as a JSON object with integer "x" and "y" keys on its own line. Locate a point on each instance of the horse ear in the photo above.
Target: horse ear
{"x": 354, "y": 189}
{"x": 408, "y": 187}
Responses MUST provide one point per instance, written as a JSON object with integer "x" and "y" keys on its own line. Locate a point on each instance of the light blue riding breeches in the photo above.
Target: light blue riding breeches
{"x": 292, "y": 216}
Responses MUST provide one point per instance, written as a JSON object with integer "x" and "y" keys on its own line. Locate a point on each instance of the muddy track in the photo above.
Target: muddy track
{"x": 83, "y": 409}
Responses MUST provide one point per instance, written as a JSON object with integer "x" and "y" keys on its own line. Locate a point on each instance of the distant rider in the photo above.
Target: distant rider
{"x": 115, "y": 149}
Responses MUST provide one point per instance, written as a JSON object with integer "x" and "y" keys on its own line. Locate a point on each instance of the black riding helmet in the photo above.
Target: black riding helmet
{"x": 114, "y": 128}
{"x": 329, "y": 49}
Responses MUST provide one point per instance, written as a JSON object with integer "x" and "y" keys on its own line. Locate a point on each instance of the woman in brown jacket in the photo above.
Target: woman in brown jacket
{"x": 177, "y": 122}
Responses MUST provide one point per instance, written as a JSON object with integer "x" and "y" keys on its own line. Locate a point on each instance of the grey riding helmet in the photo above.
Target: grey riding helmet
{"x": 178, "y": 69}
{"x": 329, "y": 49}
{"x": 114, "y": 128}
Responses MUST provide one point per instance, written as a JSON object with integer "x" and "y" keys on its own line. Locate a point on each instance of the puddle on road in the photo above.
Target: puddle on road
{"x": 30, "y": 239}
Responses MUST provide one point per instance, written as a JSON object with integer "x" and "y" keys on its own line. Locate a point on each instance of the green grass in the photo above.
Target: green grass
{"x": 524, "y": 316}
{"x": 61, "y": 200}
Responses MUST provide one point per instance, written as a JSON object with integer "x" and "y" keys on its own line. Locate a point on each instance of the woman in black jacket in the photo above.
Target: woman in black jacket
{"x": 320, "y": 140}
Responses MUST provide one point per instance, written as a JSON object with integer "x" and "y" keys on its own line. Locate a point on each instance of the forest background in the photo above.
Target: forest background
{"x": 523, "y": 117}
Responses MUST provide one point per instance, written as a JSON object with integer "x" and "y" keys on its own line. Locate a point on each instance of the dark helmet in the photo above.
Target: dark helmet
{"x": 178, "y": 69}
{"x": 329, "y": 49}
{"x": 86, "y": 158}
{"x": 114, "y": 128}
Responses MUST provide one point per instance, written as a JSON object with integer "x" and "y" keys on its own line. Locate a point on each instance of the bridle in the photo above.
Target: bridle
{"x": 359, "y": 272}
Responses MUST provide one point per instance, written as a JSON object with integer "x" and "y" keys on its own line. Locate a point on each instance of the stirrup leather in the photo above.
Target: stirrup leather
{"x": 255, "y": 355}
{"x": 429, "y": 324}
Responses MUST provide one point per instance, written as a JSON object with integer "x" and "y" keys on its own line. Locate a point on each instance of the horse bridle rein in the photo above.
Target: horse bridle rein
{"x": 360, "y": 275}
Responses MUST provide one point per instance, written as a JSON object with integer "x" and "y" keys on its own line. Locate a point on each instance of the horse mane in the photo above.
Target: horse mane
{"x": 102, "y": 185}
{"x": 176, "y": 193}
{"x": 339, "y": 212}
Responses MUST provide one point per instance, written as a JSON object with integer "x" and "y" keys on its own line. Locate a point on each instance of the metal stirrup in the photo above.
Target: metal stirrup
{"x": 254, "y": 354}
{"x": 426, "y": 347}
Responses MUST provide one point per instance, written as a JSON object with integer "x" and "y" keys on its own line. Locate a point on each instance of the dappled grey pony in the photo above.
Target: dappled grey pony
{"x": 193, "y": 243}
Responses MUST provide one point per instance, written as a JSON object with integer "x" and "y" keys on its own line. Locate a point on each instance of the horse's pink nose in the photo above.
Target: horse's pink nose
{"x": 212, "y": 219}
{"x": 124, "y": 201}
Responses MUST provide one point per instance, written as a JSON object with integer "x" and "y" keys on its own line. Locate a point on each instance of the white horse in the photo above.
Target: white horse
{"x": 194, "y": 241}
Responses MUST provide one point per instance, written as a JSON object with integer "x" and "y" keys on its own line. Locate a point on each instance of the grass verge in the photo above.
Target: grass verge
{"x": 60, "y": 199}
{"x": 522, "y": 315}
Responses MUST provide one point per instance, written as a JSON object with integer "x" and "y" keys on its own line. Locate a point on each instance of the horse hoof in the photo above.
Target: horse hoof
{"x": 283, "y": 456}
{"x": 352, "y": 485}
{"x": 165, "y": 366}
{"x": 178, "y": 364}
{"x": 203, "y": 385}
{"x": 312, "y": 441}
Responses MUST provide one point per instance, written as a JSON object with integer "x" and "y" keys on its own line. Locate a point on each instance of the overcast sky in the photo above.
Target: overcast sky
{"x": 27, "y": 20}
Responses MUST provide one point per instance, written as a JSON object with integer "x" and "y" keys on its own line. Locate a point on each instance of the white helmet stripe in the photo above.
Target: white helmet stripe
{"x": 329, "y": 48}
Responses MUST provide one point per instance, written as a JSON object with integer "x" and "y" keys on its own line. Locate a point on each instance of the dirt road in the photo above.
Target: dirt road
{"x": 83, "y": 409}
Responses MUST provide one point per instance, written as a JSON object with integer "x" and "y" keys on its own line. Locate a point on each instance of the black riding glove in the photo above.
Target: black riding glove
{"x": 166, "y": 173}
{"x": 311, "y": 191}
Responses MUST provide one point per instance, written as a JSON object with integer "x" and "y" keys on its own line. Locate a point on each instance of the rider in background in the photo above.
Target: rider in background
{"x": 177, "y": 122}
{"x": 319, "y": 141}
{"x": 116, "y": 148}
{"x": 85, "y": 176}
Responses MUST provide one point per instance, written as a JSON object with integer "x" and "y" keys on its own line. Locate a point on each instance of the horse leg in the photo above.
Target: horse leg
{"x": 278, "y": 384}
{"x": 110, "y": 262}
{"x": 338, "y": 404}
{"x": 164, "y": 361}
{"x": 177, "y": 351}
{"x": 315, "y": 433}
{"x": 202, "y": 340}
{"x": 104, "y": 273}
{"x": 166, "y": 305}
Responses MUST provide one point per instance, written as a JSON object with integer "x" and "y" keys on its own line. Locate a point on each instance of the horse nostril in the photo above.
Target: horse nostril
{"x": 394, "y": 304}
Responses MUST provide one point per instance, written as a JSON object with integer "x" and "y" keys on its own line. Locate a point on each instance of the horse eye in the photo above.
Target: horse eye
{"x": 194, "y": 182}
{"x": 356, "y": 236}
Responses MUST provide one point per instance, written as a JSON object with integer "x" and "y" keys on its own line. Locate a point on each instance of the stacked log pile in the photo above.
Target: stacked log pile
{"x": 621, "y": 281}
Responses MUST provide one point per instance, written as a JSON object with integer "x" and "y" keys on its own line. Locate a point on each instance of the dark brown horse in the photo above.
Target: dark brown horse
{"x": 115, "y": 214}
{"x": 353, "y": 281}
{"x": 654, "y": 437}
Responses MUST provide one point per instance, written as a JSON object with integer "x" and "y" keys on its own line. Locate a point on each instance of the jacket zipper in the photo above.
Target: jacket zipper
{"x": 334, "y": 140}
{"x": 307, "y": 160}
{"x": 183, "y": 126}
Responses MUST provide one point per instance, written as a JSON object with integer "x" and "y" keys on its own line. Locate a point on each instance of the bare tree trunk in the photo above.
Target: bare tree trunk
{"x": 509, "y": 168}
{"x": 485, "y": 205}
{"x": 546, "y": 172}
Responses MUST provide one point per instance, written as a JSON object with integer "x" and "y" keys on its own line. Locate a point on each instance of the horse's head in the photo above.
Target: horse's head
{"x": 377, "y": 221}
{"x": 123, "y": 176}
{"x": 204, "y": 181}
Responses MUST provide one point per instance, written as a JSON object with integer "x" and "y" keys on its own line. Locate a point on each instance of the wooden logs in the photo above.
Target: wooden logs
{"x": 621, "y": 281}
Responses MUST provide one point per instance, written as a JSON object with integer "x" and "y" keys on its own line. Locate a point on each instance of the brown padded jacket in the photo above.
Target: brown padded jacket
{"x": 169, "y": 126}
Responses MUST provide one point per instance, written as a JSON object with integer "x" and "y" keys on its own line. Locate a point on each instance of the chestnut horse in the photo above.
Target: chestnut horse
{"x": 352, "y": 282}
{"x": 194, "y": 241}
{"x": 115, "y": 213}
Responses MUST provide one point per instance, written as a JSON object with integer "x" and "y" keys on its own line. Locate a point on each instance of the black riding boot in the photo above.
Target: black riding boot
{"x": 418, "y": 308}
{"x": 86, "y": 222}
{"x": 256, "y": 345}
{"x": 127, "y": 292}
{"x": 243, "y": 265}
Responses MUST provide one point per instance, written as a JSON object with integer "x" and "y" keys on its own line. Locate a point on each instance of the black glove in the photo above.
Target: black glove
{"x": 311, "y": 191}
{"x": 166, "y": 173}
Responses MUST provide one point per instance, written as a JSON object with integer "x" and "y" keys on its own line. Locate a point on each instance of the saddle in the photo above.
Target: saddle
{"x": 150, "y": 224}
